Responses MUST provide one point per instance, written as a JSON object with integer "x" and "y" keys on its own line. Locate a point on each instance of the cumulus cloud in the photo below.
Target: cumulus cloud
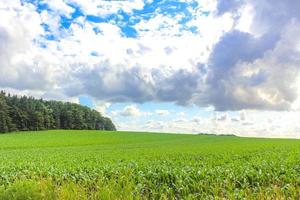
{"x": 243, "y": 116}
{"x": 60, "y": 7}
{"x": 154, "y": 125}
{"x": 230, "y": 55}
{"x": 197, "y": 120}
{"x": 104, "y": 7}
{"x": 162, "y": 112}
{"x": 102, "y": 107}
{"x": 17, "y": 52}
{"x": 130, "y": 111}
{"x": 180, "y": 114}
{"x": 221, "y": 117}
{"x": 256, "y": 69}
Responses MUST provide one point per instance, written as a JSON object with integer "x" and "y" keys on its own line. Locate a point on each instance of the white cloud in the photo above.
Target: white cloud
{"x": 221, "y": 117}
{"x": 181, "y": 114}
{"x": 120, "y": 68}
{"x": 243, "y": 116}
{"x": 163, "y": 60}
{"x": 60, "y": 7}
{"x": 197, "y": 120}
{"x": 102, "y": 107}
{"x": 258, "y": 124}
{"x": 103, "y": 7}
{"x": 19, "y": 27}
{"x": 264, "y": 77}
{"x": 162, "y": 112}
{"x": 154, "y": 125}
{"x": 245, "y": 20}
{"x": 130, "y": 111}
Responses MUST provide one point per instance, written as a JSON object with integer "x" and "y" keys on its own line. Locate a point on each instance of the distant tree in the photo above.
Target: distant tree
{"x": 26, "y": 113}
{"x": 5, "y": 120}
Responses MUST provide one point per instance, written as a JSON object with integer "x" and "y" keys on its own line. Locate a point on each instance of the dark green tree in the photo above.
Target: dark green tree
{"x": 5, "y": 120}
{"x": 26, "y": 113}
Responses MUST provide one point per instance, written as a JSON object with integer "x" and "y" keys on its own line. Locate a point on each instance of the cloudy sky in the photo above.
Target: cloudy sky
{"x": 212, "y": 66}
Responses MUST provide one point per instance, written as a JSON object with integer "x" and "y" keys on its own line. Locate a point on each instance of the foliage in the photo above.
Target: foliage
{"x": 26, "y": 113}
{"x": 120, "y": 165}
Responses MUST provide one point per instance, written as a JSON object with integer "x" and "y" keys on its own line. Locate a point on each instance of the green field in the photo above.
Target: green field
{"x": 123, "y": 165}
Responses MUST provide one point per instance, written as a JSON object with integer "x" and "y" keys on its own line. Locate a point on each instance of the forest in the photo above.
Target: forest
{"x": 22, "y": 113}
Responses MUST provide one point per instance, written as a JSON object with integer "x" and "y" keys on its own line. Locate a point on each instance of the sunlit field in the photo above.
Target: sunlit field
{"x": 122, "y": 165}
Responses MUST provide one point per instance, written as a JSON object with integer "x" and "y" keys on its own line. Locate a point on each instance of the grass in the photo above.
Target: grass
{"x": 122, "y": 165}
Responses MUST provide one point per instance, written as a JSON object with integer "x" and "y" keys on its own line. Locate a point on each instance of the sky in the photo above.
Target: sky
{"x": 193, "y": 66}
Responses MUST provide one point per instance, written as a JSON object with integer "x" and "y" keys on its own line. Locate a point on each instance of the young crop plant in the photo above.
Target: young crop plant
{"x": 122, "y": 165}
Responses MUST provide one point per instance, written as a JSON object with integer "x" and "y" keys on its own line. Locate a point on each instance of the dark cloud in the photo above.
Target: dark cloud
{"x": 118, "y": 84}
{"x": 257, "y": 69}
{"x": 178, "y": 88}
{"x": 235, "y": 47}
{"x": 111, "y": 83}
{"x": 250, "y": 71}
{"x": 228, "y": 6}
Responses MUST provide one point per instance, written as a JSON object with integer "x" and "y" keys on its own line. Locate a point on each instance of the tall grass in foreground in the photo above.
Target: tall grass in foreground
{"x": 119, "y": 165}
{"x": 45, "y": 189}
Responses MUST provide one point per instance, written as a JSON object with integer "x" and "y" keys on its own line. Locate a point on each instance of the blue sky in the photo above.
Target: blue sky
{"x": 190, "y": 66}
{"x": 124, "y": 20}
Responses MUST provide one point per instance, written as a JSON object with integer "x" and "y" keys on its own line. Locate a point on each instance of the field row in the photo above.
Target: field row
{"x": 120, "y": 165}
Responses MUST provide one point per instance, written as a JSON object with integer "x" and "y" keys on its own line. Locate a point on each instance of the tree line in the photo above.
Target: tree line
{"x": 28, "y": 114}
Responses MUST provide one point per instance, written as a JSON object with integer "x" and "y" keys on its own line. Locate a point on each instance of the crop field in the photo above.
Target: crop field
{"x": 123, "y": 165}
